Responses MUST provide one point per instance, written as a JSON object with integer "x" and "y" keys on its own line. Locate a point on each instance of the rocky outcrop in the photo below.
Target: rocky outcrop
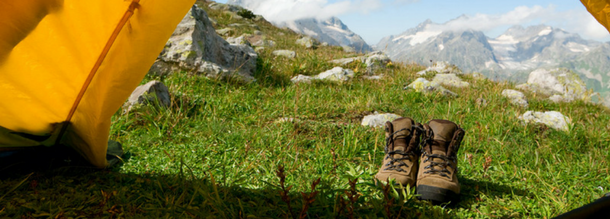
{"x": 196, "y": 47}
{"x": 425, "y": 86}
{"x": 516, "y": 97}
{"x": 153, "y": 92}
{"x": 561, "y": 84}
{"x": 337, "y": 74}
{"x": 378, "y": 120}
{"x": 551, "y": 119}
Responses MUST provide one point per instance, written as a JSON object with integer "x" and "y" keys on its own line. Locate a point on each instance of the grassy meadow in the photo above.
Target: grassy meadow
{"x": 222, "y": 150}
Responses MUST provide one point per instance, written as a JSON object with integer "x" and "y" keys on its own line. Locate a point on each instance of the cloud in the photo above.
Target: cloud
{"x": 290, "y": 10}
{"x": 576, "y": 21}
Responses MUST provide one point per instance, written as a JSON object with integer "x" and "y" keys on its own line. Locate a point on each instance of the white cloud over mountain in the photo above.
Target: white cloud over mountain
{"x": 577, "y": 21}
{"x": 290, "y": 10}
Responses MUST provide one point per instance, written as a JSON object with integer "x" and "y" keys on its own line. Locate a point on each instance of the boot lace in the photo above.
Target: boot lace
{"x": 447, "y": 161}
{"x": 443, "y": 165}
{"x": 396, "y": 164}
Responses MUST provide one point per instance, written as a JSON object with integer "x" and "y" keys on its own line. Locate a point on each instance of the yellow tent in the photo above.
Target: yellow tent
{"x": 600, "y": 9}
{"x": 66, "y": 66}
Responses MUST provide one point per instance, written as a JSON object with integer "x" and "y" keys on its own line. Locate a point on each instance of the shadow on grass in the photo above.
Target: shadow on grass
{"x": 472, "y": 189}
{"x": 57, "y": 183}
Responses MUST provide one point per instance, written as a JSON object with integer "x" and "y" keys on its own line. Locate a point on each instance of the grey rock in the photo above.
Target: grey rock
{"x": 286, "y": 53}
{"x": 378, "y": 120}
{"x": 561, "y": 81}
{"x": 235, "y": 25}
{"x": 153, "y": 92}
{"x": 375, "y": 61}
{"x": 516, "y": 97}
{"x": 307, "y": 42}
{"x": 301, "y": 79}
{"x": 196, "y": 47}
{"x": 337, "y": 74}
{"x": 225, "y": 31}
{"x": 424, "y": 86}
{"x": 450, "y": 80}
{"x": 238, "y": 40}
{"x": 552, "y": 119}
{"x": 258, "y": 32}
{"x": 442, "y": 68}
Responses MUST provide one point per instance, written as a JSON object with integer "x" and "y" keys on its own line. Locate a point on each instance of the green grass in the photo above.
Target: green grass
{"x": 216, "y": 150}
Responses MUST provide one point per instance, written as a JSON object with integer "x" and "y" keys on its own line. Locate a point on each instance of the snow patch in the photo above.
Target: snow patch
{"x": 441, "y": 47}
{"x": 419, "y": 37}
{"x": 504, "y": 40}
{"x": 575, "y": 47}
{"x": 545, "y": 32}
{"x": 338, "y": 29}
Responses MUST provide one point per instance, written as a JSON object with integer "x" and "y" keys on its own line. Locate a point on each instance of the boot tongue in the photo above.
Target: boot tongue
{"x": 443, "y": 133}
{"x": 400, "y": 138}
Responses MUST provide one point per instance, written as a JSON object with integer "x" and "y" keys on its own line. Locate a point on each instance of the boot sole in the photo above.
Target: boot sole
{"x": 437, "y": 195}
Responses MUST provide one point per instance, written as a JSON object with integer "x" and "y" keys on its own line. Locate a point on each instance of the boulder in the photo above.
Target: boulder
{"x": 307, "y": 42}
{"x": 442, "y": 68}
{"x": 450, "y": 80}
{"x": 562, "y": 82}
{"x": 379, "y": 120}
{"x": 196, "y": 47}
{"x": 337, "y": 74}
{"x": 425, "y": 86}
{"x": 516, "y": 97}
{"x": 153, "y": 92}
{"x": 551, "y": 119}
{"x": 286, "y": 53}
{"x": 375, "y": 61}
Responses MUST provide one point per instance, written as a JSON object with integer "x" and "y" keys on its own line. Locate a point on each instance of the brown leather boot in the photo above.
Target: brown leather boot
{"x": 437, "y": 179}
{"x": 401, "y": 152}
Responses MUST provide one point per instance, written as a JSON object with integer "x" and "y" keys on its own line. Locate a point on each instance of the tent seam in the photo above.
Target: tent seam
{"x": 130, "y": 11}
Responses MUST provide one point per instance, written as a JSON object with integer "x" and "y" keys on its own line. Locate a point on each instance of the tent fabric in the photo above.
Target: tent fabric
{"x": 66, "y": 66}
{"x": 600, "y": 9}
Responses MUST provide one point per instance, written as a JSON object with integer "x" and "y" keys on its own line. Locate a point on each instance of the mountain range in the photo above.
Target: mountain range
{"x": 332, "y": 30}
{"x": 512, "y": 55}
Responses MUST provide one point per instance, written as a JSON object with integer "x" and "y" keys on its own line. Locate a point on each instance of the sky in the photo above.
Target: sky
{"x": 375, "y": 19}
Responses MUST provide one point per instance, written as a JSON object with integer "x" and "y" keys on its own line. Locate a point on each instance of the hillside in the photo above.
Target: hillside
{"x": 227, "y": 148}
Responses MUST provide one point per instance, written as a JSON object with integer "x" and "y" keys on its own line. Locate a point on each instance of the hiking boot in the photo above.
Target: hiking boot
{"x": 401, "y": 152}
{"x": 437, "y": 179}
